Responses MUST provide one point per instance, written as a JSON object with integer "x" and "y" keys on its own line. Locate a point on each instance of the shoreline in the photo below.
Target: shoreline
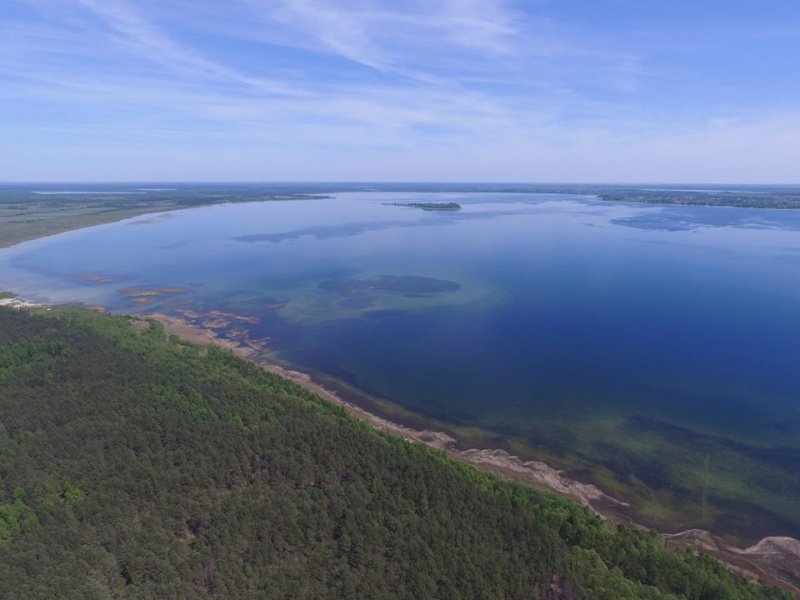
{"x": 535, "y": 473}
{"x": 773, "y": 560}
{"x": 16, "y": 302}
{"x": 84, "y": 222}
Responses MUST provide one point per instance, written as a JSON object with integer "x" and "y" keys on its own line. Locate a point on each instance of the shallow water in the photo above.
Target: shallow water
{"x": 517, "y": 309}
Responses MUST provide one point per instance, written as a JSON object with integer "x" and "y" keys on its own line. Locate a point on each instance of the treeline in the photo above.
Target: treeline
{"x": 125, "y": 196}
{"x": 134, "y": 465}
{"x": 742, "y": 199}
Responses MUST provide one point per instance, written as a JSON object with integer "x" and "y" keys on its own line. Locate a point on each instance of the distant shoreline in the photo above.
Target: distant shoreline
{"x": 29, "y": 217}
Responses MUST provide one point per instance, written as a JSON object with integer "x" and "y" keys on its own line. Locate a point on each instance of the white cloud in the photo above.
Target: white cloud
{"x": 152, "y": 44}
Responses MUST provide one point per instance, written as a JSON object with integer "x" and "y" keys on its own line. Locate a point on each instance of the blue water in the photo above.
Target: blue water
{"x": 565, "y": 305}
{"x": 650, "y": 347}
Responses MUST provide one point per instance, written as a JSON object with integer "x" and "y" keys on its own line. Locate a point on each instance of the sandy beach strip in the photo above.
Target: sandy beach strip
{"x": 16, "y": 302}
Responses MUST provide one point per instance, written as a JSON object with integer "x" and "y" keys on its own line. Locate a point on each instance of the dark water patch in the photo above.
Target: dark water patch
{"x": 511, "y": 429}
{"x": 550, "y": 439}
{"x": 148, "y": 296}
{"x": 785, "y": 427}
{"x": 93, "y": 278}
{"x": 668, "y": 430}
{"x": 455, "y": 418}
{"x": 390, "y": 283}
{"x": 308, "y": 355}
{"x": 383, "y": 314}
{"x": 782, "y": 457}
{"x": 260, "y": 304}
{"x": 372, "y": 404}
{"x": 345, "y": 230}
{"x": 785, "y": 458}
{"x": 322, "y": 232}
{"x": 630, "y": 466}
{"x": 748, "y": 521}
{"x": 657, "y": 223}
{"x": 499, "y": 443}
{"x": 428, "y": 206}
{"x": 557, "y": 440}
{"x": 357, "y": 303}
{"x": 176, "y": 245}
{"x": 681, "y": 219}
{"x": 787, "y": 487}
{"x": 582, "y": 474}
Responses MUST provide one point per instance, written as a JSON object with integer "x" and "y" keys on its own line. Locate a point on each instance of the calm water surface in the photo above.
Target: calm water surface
{"x": 518, "y": 308}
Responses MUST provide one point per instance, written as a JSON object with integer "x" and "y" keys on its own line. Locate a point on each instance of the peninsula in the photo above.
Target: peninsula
{"x": 32, "y": 211}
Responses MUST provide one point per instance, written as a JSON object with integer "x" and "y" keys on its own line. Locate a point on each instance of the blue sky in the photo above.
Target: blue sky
{"x": 379, "y": 90}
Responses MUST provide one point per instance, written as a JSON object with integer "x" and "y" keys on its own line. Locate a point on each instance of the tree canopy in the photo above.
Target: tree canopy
{"x": 136, "y": 465}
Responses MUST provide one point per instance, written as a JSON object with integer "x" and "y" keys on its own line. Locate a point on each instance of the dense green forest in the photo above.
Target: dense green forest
{"x": 135, "y": 465}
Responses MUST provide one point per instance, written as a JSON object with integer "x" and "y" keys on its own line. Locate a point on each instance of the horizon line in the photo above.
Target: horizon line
{"x": 387, "y": 182}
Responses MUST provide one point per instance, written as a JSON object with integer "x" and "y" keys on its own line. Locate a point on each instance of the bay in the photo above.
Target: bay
{"x": 652, "y": 350}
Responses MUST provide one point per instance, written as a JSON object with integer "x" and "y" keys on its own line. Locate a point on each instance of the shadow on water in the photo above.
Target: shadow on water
{"x": 683, "y": 219}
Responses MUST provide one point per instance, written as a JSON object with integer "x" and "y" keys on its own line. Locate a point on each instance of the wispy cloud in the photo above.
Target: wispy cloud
{"x": 412, "y": 37}
{"x": 130, "y": 29}
{"x": 496, "y": 86}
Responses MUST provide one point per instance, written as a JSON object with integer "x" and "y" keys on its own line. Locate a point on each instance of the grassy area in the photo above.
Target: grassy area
{"x": 40, "y": 220}
{"x": 27, "y": 213}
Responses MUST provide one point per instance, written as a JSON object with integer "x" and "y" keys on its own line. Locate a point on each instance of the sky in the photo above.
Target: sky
{"x": 376, "y": 90}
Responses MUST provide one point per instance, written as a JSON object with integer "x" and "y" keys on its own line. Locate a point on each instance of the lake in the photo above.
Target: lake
{"x": 652, "y": 350}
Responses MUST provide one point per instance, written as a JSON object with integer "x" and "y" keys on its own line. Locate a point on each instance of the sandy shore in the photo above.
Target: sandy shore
{"x": 535, "y": 473}
{"x": 772, "y": 561}
{"x": 18, "y": 303}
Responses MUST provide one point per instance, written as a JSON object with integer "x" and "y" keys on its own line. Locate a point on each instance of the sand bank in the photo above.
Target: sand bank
{"x": 18, "y": 303}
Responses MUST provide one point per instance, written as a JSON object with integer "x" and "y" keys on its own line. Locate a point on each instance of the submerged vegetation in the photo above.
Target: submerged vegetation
{"x": 408, "y": 284}
{"x": 136, "y": 465}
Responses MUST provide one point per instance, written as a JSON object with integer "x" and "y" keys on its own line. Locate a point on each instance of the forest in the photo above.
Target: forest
{"x": 137, "y": 465}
